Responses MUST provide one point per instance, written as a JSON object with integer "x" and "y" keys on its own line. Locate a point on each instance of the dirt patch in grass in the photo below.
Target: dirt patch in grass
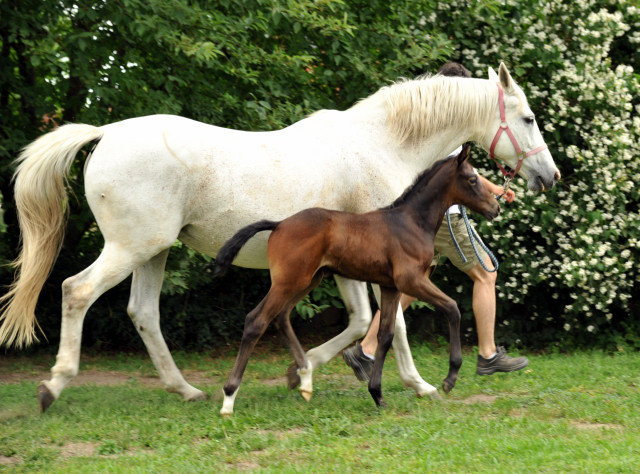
{"x": 72, "y": 450}
{"x": 479, "y": 398}
{"x": 108, "y": 378}
{"x": 581, "y": 425}
{"x": 8, "y": 461}
{"x": 244, "y": 466}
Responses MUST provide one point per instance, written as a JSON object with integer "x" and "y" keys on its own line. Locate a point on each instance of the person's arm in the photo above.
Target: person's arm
{"x": 509, "y": 196}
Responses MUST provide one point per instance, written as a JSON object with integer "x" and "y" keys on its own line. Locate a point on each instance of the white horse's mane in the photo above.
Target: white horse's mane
{"x": 418, "y": 108}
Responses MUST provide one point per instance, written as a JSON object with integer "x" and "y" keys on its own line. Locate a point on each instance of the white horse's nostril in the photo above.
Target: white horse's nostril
{"x": 557, "y": 176}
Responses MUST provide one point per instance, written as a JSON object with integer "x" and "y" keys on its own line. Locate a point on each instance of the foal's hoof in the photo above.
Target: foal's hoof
{"x": 293, "y": 379}
{"x": 306, "y": 395}
{"x": 380, "y": 403}
{"x": 45, "y": 397}
{"x": 447, "y": 386}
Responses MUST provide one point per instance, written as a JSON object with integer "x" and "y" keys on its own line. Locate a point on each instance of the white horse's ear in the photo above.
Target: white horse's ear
{"x": 492, "y": 75}
{"x": 505, "y": 77}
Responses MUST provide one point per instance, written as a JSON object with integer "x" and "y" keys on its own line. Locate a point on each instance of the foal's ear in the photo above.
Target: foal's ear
{"x": 464, "y": 154}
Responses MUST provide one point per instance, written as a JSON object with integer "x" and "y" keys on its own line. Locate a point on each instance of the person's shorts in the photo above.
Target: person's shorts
{"x": 444, "y": 245}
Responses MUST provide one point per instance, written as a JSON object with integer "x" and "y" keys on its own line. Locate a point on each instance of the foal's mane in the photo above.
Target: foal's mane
{"x": 422, "y": 180}
{"x": 418, "y": 108}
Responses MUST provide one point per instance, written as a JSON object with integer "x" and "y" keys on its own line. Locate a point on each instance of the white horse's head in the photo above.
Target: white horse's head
{"x": 521, "y": 147}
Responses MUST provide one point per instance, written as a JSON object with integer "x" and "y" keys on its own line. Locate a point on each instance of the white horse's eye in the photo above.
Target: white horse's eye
{"x": 529, "y": 120}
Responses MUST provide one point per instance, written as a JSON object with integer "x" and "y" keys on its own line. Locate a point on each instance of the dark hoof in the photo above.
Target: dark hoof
{"x": 45, "y": 397}
{"x": 381, "y": 403}
{"x": 293, "y": 379}
{"x": 447, "y": 386}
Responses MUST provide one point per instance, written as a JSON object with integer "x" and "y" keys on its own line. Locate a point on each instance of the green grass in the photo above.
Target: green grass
{"x": 564, "y": 413}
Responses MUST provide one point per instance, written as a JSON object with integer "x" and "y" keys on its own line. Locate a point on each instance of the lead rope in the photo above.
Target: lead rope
{"x": 473, "y": 237}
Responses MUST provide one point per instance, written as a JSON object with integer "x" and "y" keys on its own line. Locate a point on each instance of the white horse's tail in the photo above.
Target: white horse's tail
{"x": 42, "y": 208}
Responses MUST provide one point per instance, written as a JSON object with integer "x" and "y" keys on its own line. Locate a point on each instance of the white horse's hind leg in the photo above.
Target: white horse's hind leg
{"x": 144, "y": 311}
{"x": 78, "y": 294}
{"x": 356, "y": 300}
{"x": 406, "y": 367}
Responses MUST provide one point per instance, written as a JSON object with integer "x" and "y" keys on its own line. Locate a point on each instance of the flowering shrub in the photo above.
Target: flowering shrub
{"x": 569, "y": 258}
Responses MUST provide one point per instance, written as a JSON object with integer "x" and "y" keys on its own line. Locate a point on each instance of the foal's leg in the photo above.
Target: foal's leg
{"x": 424, "y": 289}
{"x": 301, "y": 370}
{"x": 145, "y": 314}
{"x": 255, "y": 325}
{"x": 406, "y": 367}
{"x": 390, "y": 300}
{"x": 79, "y": 292}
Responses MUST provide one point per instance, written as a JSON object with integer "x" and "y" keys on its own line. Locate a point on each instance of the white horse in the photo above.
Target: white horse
{"x": 152, "y": 180}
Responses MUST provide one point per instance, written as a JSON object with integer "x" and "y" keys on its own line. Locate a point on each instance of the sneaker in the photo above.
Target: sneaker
{"x": 500, "y": 362}
{"x": 361, "y": 364}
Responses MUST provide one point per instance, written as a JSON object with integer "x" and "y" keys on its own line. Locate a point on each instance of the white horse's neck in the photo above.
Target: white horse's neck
{"x": 426, "y": 119}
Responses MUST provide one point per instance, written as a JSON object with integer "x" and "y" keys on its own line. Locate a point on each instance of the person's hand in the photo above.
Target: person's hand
{"x": 509, "y": 196}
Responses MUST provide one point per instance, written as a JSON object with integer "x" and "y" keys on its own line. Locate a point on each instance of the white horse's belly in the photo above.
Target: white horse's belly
{"x": 162, "y": 177}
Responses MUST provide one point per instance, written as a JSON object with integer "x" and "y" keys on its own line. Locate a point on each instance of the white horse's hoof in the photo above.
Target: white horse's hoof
{"x": 195, "y": 396}
{"x": 45, "y": 396}
{"x": 434, "y": 395}
{"x": 306, "y": 394}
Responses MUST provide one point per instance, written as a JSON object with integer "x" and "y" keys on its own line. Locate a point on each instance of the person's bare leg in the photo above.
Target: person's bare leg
{"x": 370, "y": 342}
{"x": 484, "y": 307}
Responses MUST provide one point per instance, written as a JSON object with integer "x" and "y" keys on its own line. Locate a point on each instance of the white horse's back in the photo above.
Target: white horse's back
{"x": 157, "y": 178}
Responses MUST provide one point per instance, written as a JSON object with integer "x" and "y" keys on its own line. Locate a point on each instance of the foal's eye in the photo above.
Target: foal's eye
{"x": 473, "y": 181}
{"x": 529, "y": 120}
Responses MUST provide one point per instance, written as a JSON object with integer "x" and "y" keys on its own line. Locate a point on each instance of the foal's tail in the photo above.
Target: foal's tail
{"x": 232, "y": 247}
{"x": 42, "y": 208}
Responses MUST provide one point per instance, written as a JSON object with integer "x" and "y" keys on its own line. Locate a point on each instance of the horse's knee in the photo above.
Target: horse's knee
{"x": 75, "y": 295}
{"x": 450, "y": 309}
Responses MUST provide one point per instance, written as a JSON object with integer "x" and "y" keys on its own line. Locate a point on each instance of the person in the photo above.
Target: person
{"x": 491, "y": 358}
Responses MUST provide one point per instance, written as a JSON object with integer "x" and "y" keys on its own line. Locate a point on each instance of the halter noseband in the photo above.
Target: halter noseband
{"x": 504, "y": 127}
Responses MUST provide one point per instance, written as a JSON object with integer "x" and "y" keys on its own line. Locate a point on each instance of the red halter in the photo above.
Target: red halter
{"x": 504, "y": 127}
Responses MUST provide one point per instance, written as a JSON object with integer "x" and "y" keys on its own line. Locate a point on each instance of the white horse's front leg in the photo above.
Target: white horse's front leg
{"x": 406, "y": 367}
{"x": 356, "y": 300}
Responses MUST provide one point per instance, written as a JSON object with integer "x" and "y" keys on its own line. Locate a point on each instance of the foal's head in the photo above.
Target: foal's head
{"x": 467, "y": 189}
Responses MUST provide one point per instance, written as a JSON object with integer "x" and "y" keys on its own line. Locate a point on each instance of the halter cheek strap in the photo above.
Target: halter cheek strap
{"x": 504, "y": 127}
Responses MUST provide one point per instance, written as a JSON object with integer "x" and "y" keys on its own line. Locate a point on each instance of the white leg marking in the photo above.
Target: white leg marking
{"x": 227, "y": 404}
{"x": 306, "y": 381}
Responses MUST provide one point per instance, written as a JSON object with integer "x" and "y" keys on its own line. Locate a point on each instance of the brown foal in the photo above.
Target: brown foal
{"x": 392, "y": 247}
